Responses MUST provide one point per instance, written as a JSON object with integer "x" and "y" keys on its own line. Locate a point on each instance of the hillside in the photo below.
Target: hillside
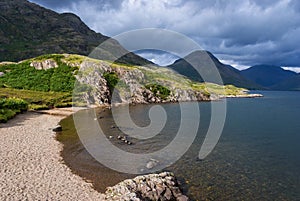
{"x": 28, "y": 30}
{"x": 57, "y": 74}
{"x": 268, "y": 75}
{"x": 292, "y": 84}
{"x": 204, "y": 59}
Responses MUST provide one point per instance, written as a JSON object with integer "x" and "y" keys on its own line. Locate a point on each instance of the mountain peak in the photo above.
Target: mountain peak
{"x": 37, "y": 30}
{"x": 202, "y": 59}
{"x": 267, "y": 75}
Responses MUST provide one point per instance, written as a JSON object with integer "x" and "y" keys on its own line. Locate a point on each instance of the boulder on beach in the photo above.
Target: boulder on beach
{"x": 162, "y": 186}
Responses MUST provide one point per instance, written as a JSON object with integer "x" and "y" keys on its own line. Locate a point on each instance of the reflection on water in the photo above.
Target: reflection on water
{"x": 257, "y": 157}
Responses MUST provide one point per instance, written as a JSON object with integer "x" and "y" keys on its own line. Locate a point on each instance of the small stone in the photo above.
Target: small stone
{"x": 163, "y": 174}
{"x": 159, "y": 189}
{"x": 151, "y": 164}
{"x": 182, "y": 198}
{"x": 57, "y": 129}
{"x": 111, "y": 137}
{"x": 168, "y": 194}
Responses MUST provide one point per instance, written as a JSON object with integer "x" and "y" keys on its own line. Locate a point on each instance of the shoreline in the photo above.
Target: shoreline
{"x": 31, "y": 164}
{"x": 38, "y": 171}
{"x": 243, "y": 96}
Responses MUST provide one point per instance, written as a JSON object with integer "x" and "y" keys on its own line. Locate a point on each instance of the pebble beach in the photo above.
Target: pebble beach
{"x": 31, "y": 167}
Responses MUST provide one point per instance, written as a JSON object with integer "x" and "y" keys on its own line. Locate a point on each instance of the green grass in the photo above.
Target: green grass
{"x": 55, "y": 57}
{"x": 9, "y": 107}
{"x": 23, "y": 76}
{"x": 41, "y": 89}
{"x": 38, "y": 99}
{"x": 74, "y": 59}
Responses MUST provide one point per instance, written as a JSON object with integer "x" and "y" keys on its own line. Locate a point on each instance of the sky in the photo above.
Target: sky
{"x": 240, "y": 33}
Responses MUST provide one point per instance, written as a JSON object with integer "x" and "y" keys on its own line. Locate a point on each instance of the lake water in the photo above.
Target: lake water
{"x": 256, "y": 158}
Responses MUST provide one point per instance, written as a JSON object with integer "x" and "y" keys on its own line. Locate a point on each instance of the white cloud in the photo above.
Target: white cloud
{"x": 160, "y": 58}
{"x": 295, "y": 69}
{"x": 234, "y": 64}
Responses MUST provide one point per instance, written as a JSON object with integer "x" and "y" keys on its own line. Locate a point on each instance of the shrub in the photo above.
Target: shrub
{"x": 159, "y": 90}
{"x": 6, "y": 114}
{"x": 112, "y": 80}
{"x": 13, "y": 104}
{"x": 9, "y": 107}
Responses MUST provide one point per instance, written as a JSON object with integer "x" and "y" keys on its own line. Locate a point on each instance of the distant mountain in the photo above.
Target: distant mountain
{"x": 28, "y": 30}
{"x": 267, "y": 75}
{"x": 205, "y": 60}
{"x": 291, "y": 83}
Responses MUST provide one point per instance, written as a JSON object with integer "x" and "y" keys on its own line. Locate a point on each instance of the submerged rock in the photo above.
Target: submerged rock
{"x": 57, "y": 129}
{"x": 163, "y": 186}
{"x": 152, "y": 163}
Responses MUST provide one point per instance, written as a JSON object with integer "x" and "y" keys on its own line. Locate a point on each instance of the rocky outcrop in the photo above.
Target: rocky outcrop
{"x": 163, "y": 186}
{"x": 44, "y": 65}
{"x": 241, "y": 96}
{"x": 188, "y": 95}
{"x": 91, "y": 74}
{"x": 131, "y": 87}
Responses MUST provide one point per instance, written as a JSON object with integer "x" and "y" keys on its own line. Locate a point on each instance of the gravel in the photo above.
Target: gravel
{"x": 31, "y": 167}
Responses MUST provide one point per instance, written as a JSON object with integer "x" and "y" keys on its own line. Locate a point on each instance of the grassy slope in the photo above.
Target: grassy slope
{"x": 53, "y": 87}
{"x": 38, "y": 99}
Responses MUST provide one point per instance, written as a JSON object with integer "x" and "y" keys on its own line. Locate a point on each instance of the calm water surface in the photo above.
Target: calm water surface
{"x": 257, "y": 157}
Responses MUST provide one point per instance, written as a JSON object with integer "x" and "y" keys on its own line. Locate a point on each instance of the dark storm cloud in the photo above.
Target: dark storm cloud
{"x": 58, "y": 4}
{"x": 242, "y": 33}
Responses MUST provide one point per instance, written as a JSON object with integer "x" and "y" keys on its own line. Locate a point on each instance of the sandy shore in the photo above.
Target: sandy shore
{"x": 31, "y": 167}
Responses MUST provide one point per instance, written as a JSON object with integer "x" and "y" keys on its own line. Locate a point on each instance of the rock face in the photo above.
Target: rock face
{"x": 130, "y": 89}
{"x": 44, "y": 65}
{"x": 163, "y": 186}
{"x": 92, "y": 75}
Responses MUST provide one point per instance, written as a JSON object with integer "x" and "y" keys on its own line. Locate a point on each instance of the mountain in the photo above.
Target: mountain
{"x": 28, "y": 30}
{"x": 267, "y": 75}
{"x": 204, "y": 60}
{"x": 292, "y": 84}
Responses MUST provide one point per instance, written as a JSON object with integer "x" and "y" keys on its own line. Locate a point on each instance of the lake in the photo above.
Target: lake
{"x": 256, "y": 158}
